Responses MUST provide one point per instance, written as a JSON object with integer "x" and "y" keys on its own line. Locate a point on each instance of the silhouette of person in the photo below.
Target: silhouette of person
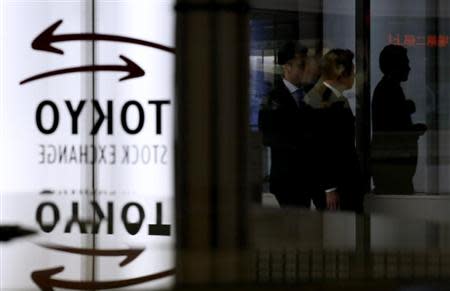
{"x": 394, "y": 142}
{"x": 333, "y": 122}
{"x": 283, "y": 118}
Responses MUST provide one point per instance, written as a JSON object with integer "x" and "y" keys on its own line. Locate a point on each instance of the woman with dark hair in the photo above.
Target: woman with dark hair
{"x": 394, "y": 141}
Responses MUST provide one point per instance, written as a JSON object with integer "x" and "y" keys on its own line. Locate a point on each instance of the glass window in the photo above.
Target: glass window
{"x": 315, "y": 28}
{"x": 419, "y": 27}
{"x": 86, "y": 144}
{"x": 403, "y": 117}
{"x": 398, "y": 102}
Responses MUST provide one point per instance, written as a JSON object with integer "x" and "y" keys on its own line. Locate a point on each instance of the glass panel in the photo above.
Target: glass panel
{"x": 292, "y": 252}
{"x": 137, "y": 178}
{"x": 45, "y": 181}
{"x": 407, "y": 158}
{"x": 87, "y": 158}
{"x": 292, "y": 150}
{"x": 410, "y": 238}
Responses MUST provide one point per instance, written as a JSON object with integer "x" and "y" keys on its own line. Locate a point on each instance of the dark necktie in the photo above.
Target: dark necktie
{"x": 298, "y": 95}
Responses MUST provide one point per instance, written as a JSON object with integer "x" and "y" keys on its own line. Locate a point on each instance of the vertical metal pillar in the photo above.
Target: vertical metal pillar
{"x": 211, "y": 140}
{"x": 432, "y": 82}
{"x": 363, "y": 121}
{"x": 363, "y": 116}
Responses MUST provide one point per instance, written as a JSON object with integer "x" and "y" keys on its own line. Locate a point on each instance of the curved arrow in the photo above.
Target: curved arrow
{"x": 132, "y": 68}
{"x": 43, "y": 41}
{"x": 46, "y": 283}
{"x": 131, "y": 254}
{"x": 47, "y": 192}
{"x": 9, "y": 232}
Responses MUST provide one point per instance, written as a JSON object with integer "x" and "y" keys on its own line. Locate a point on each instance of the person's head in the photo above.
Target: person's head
{"x": 292, "y": 57}
{"x": 312, "y": 70}
{"x": 338, "y": 69}
{"x": 394, "y": 62}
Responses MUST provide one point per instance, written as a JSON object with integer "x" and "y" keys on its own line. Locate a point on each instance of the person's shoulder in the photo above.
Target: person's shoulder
{"x": 279, "y": 89}
{"x": 278, "y": 92}
{"x": 386, "y": 89}
{"x": 387, "y": 84}
{"x": 274, "y": 98}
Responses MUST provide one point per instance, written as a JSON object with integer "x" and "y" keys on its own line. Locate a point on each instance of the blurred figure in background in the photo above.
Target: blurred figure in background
{"x": 394, "y": 143}
{"x": 283, "y": 121}
{"x": 333, "y": 125}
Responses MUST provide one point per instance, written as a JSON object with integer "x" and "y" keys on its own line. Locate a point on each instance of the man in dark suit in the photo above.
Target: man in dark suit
{"x": 283, "y": 121}
{"x": 394, "y": 144}
{"x": 333, "y": 124}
